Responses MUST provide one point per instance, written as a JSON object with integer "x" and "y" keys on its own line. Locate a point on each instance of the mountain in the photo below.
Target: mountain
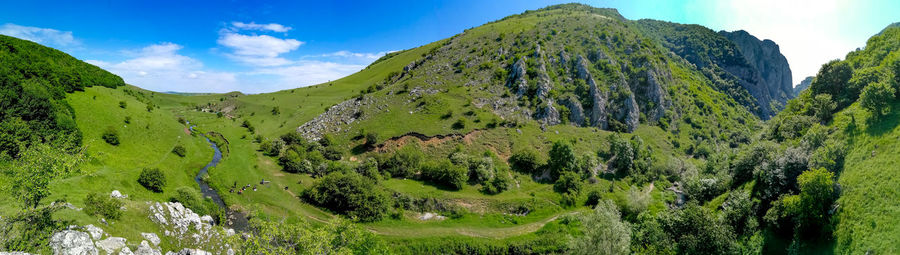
{"x": 752, "y": 71}
{"x": 804, "y": 84}
{"x": 558, "y": 130}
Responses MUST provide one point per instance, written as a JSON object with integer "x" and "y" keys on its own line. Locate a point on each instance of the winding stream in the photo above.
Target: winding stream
{"x": 233, "y": 219}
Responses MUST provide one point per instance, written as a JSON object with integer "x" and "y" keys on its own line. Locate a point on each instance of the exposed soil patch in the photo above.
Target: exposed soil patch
{"x": 429, "y": 141}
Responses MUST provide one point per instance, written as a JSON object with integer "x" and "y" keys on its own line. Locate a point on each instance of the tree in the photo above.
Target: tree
{"x": 832, "y": 79}
{"x": 697, "y": 231}
{"x": 111, "y": 136}
{"x": 604, "y": 232}
{"x": 526, "y": 161}
{"x": 350, "y": 194}
{"x": 497, "y": 185}
{"x": 622, "y": 153}
{"x": 271, "y": 147}
{"x": 877, "y": 98}
{"x": 405, "y": 162}
{"x": 816, "y": 197}
{"x": 179, "y": 150}
{"x": 153, "y": 179}
{"x": 371, "y": 139}
{"x": 568, "y": 182}
{"x": 443, "y": 172}
{"x": 36, "y": 168}
{"x": 122, "y": 104}
{"x": 562, "y": 159}
{"x": 822, "y": 107}
{"x": 102, "y": 205}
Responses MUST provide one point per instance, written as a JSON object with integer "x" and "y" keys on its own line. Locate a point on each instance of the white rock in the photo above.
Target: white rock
{"x": 14, "y": 253}
{"x": 126, "y": 251}
{"x": 144, "y": 249}
{"x": 187, "y": 251}
{"x": 117, "y": 194}
{"x": 206, "y": 218}
{"x": 71, "y": 242}
{"x": 112, "y": 244}
{"x": 96, "y": 232}
{"x": 152, "y": 237}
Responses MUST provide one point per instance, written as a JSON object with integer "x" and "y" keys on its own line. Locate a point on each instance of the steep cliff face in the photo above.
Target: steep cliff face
{"x": 770, "y": 64}
{"x": 751, "y": 71}
{"x": 803, "y": 85}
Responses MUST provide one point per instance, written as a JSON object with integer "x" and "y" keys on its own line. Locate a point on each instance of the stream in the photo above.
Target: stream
{"x": 233, "y": 219}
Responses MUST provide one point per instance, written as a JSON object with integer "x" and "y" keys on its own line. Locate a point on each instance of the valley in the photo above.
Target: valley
{"x": 567, "y": 129}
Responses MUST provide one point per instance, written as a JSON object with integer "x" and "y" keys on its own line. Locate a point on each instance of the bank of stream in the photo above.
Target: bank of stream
{"x": 233, "y": 219}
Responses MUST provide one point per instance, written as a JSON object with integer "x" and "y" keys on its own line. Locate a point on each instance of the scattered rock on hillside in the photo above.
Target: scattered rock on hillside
{"x": 96, "y": 233}
{"x": 117, "y": 194}
{"x": 151, "y": 237}
{"x": 72, "y": 242}
{"x": 187, "y": 251}
{"x": 333, "y": 119}
{"x": 145, "y": 249}
{"x": 112, "y": 244}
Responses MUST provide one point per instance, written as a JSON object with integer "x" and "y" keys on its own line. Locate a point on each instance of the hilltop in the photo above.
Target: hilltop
{"x": 564, "y": 129}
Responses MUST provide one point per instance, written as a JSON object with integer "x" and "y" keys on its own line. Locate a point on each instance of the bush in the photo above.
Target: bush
{"x": 593, "y": 198}
{"x": 497, "y": 185}
{"x": 102, "y": 205}
{"x": 271, "y": 147}
{"x": 349, "y": 194}
{"x": 877, "y": 98}
{"x": 153, "y": 179}
{"x": 332, "y": 153}
{"x": 293, "y": 162}
{"x": 111, "y": 136}
{"x": 568, "y": 182}
{"x": 562, "y": 159}
{"x": 122, "y": 104}
{"x": 526, "y": 161}
{"x": 371, "y": 139}
{"x": 445, "y": 173}
{"x": 179, "y": 150}
{"x": 459, "y": 124}
{"x": 404, "y": 163}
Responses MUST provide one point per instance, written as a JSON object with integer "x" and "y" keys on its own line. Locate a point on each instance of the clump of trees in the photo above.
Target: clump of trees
{"x": 111, "y": 136}
{"x": 445, "y": 173}
{"x": 350, "y": 194}
{"x": 179, "y": 150}
{"x": 152, "y": 179}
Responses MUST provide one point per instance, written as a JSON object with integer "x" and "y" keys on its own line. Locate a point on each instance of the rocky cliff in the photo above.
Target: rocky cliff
{"x": 772, "y": 67}
{"x": 803, "y": 85}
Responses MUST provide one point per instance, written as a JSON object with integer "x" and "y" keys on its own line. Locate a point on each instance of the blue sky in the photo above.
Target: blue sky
{"x": 256, "y": 47}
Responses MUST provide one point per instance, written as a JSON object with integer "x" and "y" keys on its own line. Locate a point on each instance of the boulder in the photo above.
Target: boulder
{"x": 112, "y": 244}
{"x": 145, "y": 249}
{"x": 96, "y": 232}
{"x": 126, "y": 251}
{"x": 117, "y": 194}
{"x": 517, "y": 78}
{"x": 151, "y": 237}
{"x": 72, "y": 242}
{"x": 187, "y": 251}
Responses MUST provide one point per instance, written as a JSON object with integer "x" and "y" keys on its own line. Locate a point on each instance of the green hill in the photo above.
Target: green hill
{"x": 560, "y": 130}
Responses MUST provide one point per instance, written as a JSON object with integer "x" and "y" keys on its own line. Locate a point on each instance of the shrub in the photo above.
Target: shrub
{"x": 568, "y": 182}
{"x": 877, "y": 98}
{"x": 349, "y": 194}
{"x": 111, "y": 136}
{"x": 497, "y": 185}
{"x": 332, "y": 153}
{"x": 459, "y": 124}
{"x": 179, "y": 150}
{"x": 191, "y": 199}
{"x": 562, "y": 159}
{"x": 293, "y": 162}
{"x": 102, "y": 205}
{"x": 404, "y": 163}
{"x": 371, "y": 139}
{"x": 445, "y": 173}
{"x": 526, "y": 161}
{"x": 271, "y": 147}
{"x": 369, "y": 168}
{"x": 292, "y": 138}
{"x": 593, "y": 198}
{"x": 153, "y": 179}
{"x": 122, "y": 104}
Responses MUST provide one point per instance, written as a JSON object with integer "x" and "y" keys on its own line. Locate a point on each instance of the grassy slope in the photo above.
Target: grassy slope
{"x": 869, "y": 208}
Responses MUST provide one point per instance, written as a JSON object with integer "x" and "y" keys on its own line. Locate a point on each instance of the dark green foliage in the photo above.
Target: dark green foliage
{"x": 349, "y": 194}
{"x": 271, "y": 147}
{"x": 749, "y": 159}
{"x": 562, "y": 159}
{"x": 526, "y": 161}
{"x": 276, "y": 110}
{"x": 332, "y": 153}
{"x": 292, "y": 138}
{"x": 127, "y": 119}
{"x": 497, "y": 185}
{"x": 179, "y": 150}
{"x": 697, "y": 231}
{"x": 111, "y": 136}
{"x": 326, "y": 141}
{"x": 103, "y": 206}
{"x": 369, "y": 168}
{"x": 739, "y": 212}
{"x": 568, "y": 182}
{"x": 33, "y": 83}
{"x": 833, "y": 79}
{"x": 30, "y": 230}
{"x": 822, "y": 107}
{"x": 877, "y": 98}
{"x": 593, "y": 197}
{"x": 403, "y": 163}
{"x": 445, "y": 173}
{"x": 153, "y": 179}
{"x": 371, "y": 139}
{"x": 628, "y": 157}
{"x": 123, "y": 104}
{"x": 246, "y": 124}
{"x": 807, "y": 212}
{"x": 459, "y": 124}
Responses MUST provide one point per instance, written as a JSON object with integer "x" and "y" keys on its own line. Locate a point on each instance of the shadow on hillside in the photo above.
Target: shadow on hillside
{"x": 884, "y": 124}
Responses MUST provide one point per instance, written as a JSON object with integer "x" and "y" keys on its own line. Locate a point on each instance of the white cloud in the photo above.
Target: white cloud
{"x": 258, "y": 50}
{"x": 40, "y": 35}
{"x": 159, "y": 67}
{"x": 305, "y": 73}
{"x": 809, "y": 32}
{"x": 262, "y": 27}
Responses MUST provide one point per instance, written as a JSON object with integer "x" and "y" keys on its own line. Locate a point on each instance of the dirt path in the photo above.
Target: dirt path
{"x": 485, "y": 232}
